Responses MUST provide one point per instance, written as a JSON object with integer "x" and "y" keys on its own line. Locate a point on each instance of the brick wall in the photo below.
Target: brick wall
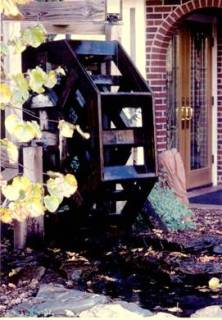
{"x": 162, "y": 18}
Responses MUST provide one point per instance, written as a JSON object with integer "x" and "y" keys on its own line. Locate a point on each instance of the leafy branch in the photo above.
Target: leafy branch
{"x": 23, "y": 198}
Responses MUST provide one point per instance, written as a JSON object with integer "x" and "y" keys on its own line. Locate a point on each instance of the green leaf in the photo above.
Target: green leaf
{"x": 34, "y": 36}
{"x": 37, "y": 78}
{"x": 66, "y": 129}
{"x": 51, "y": 203}
{"x": 11, "y": 122}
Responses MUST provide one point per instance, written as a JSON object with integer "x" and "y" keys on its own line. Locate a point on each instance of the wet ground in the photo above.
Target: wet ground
{"x": 161, "y": 271}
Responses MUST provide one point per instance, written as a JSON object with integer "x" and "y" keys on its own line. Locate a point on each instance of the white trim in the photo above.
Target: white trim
{"x": 140, "y": 35}
{"x": 214, "y": 107}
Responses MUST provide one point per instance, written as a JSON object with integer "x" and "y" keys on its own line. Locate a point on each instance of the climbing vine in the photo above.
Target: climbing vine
{"x": 23, "y": 198}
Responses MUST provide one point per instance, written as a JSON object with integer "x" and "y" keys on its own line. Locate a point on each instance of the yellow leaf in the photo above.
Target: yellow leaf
{"x": 9, "y": 8}
{"x": 35, "y": 207}
{"x": 10, "y": 192}
{"x": 5, "y": 215}
{"x": 23, "y": 183}
{"x": 23, "y": 132}
{"x": 5, "y": 93}
{"x": 85, "y": 135}
{"x": 51, "y": 79}
{"x": 18, "y": 46}
{"x": 18, "y": 211}
{"x": 20, "y": 82}
{"x": 54, "y": 174}
{"x": 36, "y": 129}
{"x": 66, "y": 129}
{"x": 12, "y": 151}
{"x": 60, "y": 71}
{"x": 37, "y": 78}
{"x": 54, "y": 187}
{"x": 34, "y": 36}
{"x": 214, "y": 284}
{"x": 11, "y": 122}
{"x": 51, "y": 203}
{"x": 70, "y": 185}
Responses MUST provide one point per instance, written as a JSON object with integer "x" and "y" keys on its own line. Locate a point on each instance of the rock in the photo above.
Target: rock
{"x": 206, "y": 242}
{"x": 76, "y": 275}
{"x": 209, "y": 312}
{"x": 162, "y": 316}
{"x": 55, "y": 299}
{"x": 74, "y": 270}
{"x": 117, "y": 310}
{"x": 27, "y": 274}
{"x": 217, "y": 249}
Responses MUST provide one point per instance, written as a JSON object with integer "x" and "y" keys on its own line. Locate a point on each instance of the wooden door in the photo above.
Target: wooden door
{"x": 194, "y": 102}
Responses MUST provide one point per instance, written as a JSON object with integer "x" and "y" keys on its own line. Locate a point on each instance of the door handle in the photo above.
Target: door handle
{"x": 181, "y": 113}
{"x": 189, "y": 113}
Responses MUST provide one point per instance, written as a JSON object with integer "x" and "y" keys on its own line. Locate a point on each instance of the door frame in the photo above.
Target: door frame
{"x": 202, "y": 176}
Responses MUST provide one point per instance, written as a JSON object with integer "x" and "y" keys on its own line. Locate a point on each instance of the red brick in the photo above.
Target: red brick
{"x": 162, "y": 9}
{"x": 197, "y": 4}
{"x": 179, "y": 12}
{"x": 154, "y": 16}
{"x": 190, "y": 5}
{"x": 154, "y": 2}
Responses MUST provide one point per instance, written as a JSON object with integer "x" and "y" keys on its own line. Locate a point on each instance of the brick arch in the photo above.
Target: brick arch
{"x": 157, "y": 59}
{"x": 167, "y": 27}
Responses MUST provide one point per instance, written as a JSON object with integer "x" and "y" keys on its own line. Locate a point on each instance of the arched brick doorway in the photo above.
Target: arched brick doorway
{"x": 162, "y": 23}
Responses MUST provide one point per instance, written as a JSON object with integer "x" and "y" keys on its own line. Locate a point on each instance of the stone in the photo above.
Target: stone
{"x": 27, "y": 274}
{"x": 116, "y": 310}
{"x": 74, "y": 270}
{"x": 55, "y": 299}
{"x": 208, "y": 312}
{"x": 217, "y": 249}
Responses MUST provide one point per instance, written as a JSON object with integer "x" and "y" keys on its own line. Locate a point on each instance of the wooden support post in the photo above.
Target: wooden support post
{"x": 32, "y": 227}
{"x": 113, "y": 31}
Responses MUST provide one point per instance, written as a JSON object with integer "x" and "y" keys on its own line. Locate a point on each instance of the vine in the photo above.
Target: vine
{"x": 23, "y": 198}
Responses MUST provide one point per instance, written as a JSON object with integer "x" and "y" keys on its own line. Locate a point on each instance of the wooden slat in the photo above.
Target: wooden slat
{"x": 96, "y": 48}
{"x": 120, "y": 173}
{"x": 106, "y": 79}
{"x": 9, "y": 173}
{"x": 123, "y": 137}
{"x": 76, "y": 10}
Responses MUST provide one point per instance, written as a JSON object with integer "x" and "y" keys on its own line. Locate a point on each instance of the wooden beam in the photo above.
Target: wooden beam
{"x": 74, "y": 27}
{"x": 32, "y": 227}
{"x": 57, "y": 12}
